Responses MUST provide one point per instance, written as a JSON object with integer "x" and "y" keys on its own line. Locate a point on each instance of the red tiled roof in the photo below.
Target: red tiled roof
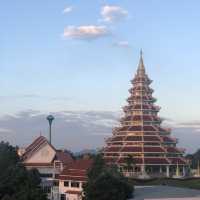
{"x": 76, "y": 170}
{"x": 156, "y": 161}
{"x": 38, "y": 164}
{"x": 83, "y": 164}
{"x": 180, "y": 161}
{"x": 141, "y": 79}
{"x": 149, "y": 128}
{"x": 173, "y": 150}
{"x": 112, "y": 149}
{"x": 125, "y": 128}
{"x": 141, "y": 117}
{"x": 150, "y": 133}
{"x": 132, "y": 98}
{"x": 64, "y": 157}
{"x": 134, "y": 138}
{"x": 118, "y": 138}
{"x": 73, "y": 192}
{"x": 136, "y": 160}
{"x": 138, "y": 128}
{"x": 135, "y": 128}
{"x": 151, "y": 138}
{"x": 153, "y": 149}
{"x": 168, "y": 139}
{"x": 131, "y": 149}
{"x": 136, "y": 88}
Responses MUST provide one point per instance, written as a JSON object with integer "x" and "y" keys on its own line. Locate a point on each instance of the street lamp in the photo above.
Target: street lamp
{"x": 50, "y": 119}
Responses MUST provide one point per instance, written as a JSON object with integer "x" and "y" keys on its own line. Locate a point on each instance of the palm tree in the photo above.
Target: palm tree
{"x": 129, "y": 163}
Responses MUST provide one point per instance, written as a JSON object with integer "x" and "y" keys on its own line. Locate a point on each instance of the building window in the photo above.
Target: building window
{"x": 75, "y": 184}
{"x": 62, "y": 197}
{"x": 66, "y": 183}
{"x": 46, "y": 189}
{"x": 57, "y": 164}
{"x": 56, "y": 183}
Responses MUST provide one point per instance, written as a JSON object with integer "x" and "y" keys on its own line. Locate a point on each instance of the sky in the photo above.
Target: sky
{"x": 80, "y": 55}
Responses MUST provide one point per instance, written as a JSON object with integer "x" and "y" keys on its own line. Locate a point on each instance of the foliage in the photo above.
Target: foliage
{"x": 106, "y": 182}
{"x": 8, "y": 156}
{"x": 129, "y": 161}
{"x": 16, "y": 183}
{"x": 194, "y": 158}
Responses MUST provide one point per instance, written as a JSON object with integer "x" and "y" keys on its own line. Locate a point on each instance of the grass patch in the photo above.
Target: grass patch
{"x": 193, "y": 183}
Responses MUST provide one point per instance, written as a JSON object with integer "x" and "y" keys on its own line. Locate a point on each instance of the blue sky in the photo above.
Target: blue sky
{"x": 48, "y": 63}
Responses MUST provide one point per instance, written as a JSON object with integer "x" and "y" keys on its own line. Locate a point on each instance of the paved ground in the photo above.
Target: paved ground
{"x": 159, "y": 192}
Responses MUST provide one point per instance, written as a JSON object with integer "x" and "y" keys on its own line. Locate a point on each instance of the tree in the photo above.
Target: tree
{"x": 8, "y": 156}
{"x": 129, "y": 161}
{"x": 106, "y": 182}
{"x": 17, "y": 183}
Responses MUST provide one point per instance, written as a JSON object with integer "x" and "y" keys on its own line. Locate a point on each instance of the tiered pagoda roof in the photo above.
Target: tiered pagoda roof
{"x": 140, "y": 133}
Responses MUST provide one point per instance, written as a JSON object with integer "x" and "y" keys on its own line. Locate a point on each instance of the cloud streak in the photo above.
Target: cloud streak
{"x": 33, "y": 96}
{"x": 68, "y": 9}
{"x": 122, "y": 44}
{"x": 87, "y": 32}
{"x": 113, "y": 13}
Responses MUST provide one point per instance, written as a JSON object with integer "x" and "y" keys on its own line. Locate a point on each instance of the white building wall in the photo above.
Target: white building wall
{"x": 44, "y": 155}
{"x": 63, "y": 189}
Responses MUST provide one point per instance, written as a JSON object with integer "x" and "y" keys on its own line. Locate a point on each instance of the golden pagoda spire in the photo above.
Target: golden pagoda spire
{"x": 141, "y": 68}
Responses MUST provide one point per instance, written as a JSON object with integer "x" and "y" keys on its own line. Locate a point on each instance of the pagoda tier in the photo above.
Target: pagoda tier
{"x": 140, "y": 134}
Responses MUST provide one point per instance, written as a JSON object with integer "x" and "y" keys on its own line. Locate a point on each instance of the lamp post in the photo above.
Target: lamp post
{"x": 50, "y": 119}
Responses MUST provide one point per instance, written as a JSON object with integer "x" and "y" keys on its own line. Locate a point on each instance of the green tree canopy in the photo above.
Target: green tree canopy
{"x": 17, "y": 183}
{"x": 106, "y": 182}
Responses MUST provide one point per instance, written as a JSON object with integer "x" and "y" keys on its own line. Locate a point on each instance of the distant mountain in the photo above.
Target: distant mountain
{"x": 86, "y": 151}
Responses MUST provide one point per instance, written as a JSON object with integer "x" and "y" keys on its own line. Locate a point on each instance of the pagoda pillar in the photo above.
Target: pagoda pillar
{"x": 183, "y": 170}
{"x": 167, "y": 170}
{"x": 161, "y": 169}
{"x": 143, "y": 169}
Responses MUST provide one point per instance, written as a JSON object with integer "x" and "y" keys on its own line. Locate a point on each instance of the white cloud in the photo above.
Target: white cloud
{"x": 85, "y": 32}
{"x": 5, "y": 130}
{"x": 113, "y": 13}
{"x": 68, "y": 9}
{"x": 124, "y": 44}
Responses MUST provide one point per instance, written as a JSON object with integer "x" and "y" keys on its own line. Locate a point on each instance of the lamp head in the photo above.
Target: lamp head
{"x": 50, "y": 118}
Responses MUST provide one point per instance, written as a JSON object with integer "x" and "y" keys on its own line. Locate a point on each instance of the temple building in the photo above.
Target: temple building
{"x": 140, "y": 140}
{"x": 62, "y": 177}
{"x": 49, "y": 162}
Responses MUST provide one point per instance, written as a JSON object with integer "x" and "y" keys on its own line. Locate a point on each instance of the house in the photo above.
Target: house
{"x": 49, "y": 161}
{"x": 72, "y": 178}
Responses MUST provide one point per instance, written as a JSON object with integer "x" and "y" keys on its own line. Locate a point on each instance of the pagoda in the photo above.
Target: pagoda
{"x": 140, "y": 140}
